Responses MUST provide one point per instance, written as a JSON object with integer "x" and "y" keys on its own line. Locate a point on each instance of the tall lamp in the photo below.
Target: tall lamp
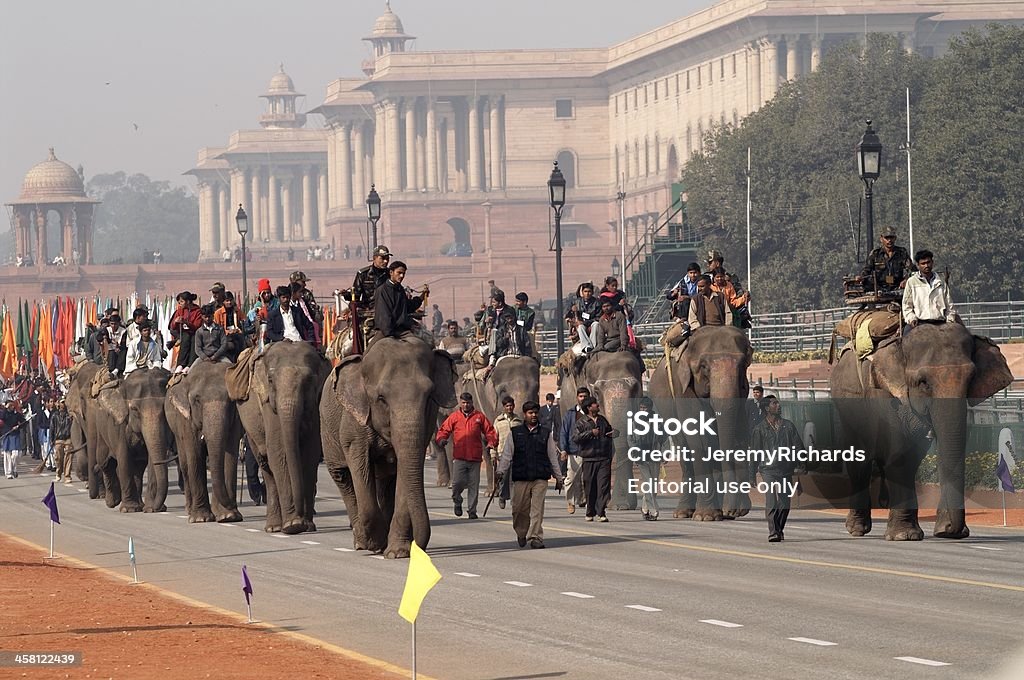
{"x": 556, "y": 192}
{"x": 373, "y": 214}
{"x": 869, "y": 163}
{"x": 242, "y": 223}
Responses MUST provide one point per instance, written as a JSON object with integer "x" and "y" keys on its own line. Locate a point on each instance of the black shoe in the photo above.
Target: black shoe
{"x": 782, "y": 536}
{"x": 774, "y": 538}
{"x": 501, "y": 503}
{"x": 536, "y": 543}
{"x": 522, "y": 541}
{"x": 458, "y": 507}
{"x": 473, "y": 515}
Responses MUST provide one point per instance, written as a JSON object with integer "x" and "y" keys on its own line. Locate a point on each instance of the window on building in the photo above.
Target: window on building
{"x": 636, "y": 98}
{"x": 687, "y": 80}
{"x": 677, "y": 85}
{"x": 563, "y": 108}
{"x": 657, "y": 153}
{"x": 655, "y": 90}
{"x": 647, "y": 157}
{"x": 567, "y": 164}
{"x": 698, "y": 77}
{"x": 625, "y": 102}
{"x": 616, "y": 105}
{"x": 689, "y": 141}
{"x": 734, "y": 65}
{"x": 721, "y": 68}
{"x": 618, "y": 166}
{"x": 645, "y": 95}
{"x": 569, "y": 238}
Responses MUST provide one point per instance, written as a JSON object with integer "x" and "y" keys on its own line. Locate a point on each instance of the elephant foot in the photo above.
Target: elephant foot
{"x": 272, "y": 528}
{"x": 200, "y": 516}
{"x": 294, "y": 526}
{"x": 951, "y": 524}
{"x": 229, "y": 516}
{"x": 904, "y": 532}
{"x": 397, "y": 551}
{"x": 708, "y": 515}
{"x": 130, "y": 506}
{"x": 149, "y": 508}
{"x": 94, "y": 494}
{"x": 683, "y": 513}
{"x": 740, "y": 509}
{"x": 858, "y": 522}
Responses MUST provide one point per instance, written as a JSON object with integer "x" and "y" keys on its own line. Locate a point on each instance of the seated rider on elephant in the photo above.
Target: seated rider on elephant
{"x": 393, "y": 309}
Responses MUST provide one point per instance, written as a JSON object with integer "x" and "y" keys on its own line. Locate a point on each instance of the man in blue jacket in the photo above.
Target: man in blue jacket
{"x": 569, "y": 450}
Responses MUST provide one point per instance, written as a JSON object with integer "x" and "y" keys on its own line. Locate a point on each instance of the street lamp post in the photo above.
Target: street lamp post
{"x": 242, "y": 223}
{"x": 373, "y": 213}
{"x": 556, "y": 192}
{"x": 616, "y": 269}
{"x": 869, "y": 162}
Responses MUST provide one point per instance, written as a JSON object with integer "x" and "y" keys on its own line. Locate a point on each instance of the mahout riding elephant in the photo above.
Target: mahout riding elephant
{"x": 512, "y": 376}
{"x": 613, "y": 378}
{"x": 132, "y": 438}
{"x": 389, "y": 399}
{"x": 79, "y": 401}
{"x": 207, "y": 433}
{"x": 710, "y": 374}
{"x": 921, "y": 381}
{"x": 281, "y": 417}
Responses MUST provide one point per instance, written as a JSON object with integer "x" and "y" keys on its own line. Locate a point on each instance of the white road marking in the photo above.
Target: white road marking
{"x": 812, "y": 641}
{"x": 81, "y": 490}
{"x": 345, "y": 549}
{"x": 377, "y": 557}
{"x": 923, "y": 662}
{"x": 467, "y": 574}
{"x": 253, "y": 531}
{"x": 182, "y": 516}
{"x": 582, "y": 596}
{"x": 518, "y": 584}
{"x": 723, "y": 624}
{"x": 983, "y": 547}
{"x": 280, "y": 535}
{"x": 642, "y": 608}
{"x": 310, "y": 542}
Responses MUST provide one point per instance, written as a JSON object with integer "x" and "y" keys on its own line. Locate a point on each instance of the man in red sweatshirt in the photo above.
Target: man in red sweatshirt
{"x": 472, "y": 430}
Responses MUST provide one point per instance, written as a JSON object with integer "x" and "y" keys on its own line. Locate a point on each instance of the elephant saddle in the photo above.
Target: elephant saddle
{"x": 103, "y": 380}
{"x": 238, "y": 376}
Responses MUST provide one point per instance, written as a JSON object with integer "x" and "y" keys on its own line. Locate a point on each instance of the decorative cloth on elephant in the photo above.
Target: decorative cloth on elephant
{"x": 865, "y": 328}
{"x": 238, "y": 376}
{"x": 342, "y": 345}
{"x": 103, "y": 380}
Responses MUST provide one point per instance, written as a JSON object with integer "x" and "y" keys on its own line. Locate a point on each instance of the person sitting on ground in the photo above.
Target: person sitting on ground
{"x": 144, "y": 352}
{"x": 888, "y": 265}
{"x": 611, "y": 335}
{"x": 683, "y": 292}
{"x": 210, "y": 344}
{"x": 392, "y": 308}
{"x": 228, "y": 318}
{"x": 286, "y": 321}
{"x": 926, "y": 296}
{"x": 584, "y": 313}
{"x": 708, "y": 308}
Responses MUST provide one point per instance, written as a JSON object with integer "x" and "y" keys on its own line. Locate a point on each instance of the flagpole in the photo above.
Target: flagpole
{"x": 51, "y": 533}
{"x": 248, "y": 610}
{"x": 414, "y": 650}
{"x": 910, "y": 195}
{"x": 749, "y": 282}
{"x": 1004, "y": 503}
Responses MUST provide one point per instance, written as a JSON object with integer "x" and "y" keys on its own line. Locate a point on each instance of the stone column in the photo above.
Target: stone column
{"x": 487, "y": 226}
{"x": 68, "y": 230}
{"x": 410, "y": 145}
{"x": 287, "y": 211}
{"x": 497, "y": 153}
{"x": 770, "y": 50}
{"x": 343, "y": 164}
{"x": 257, "y": 221}
{"x": 308, "y": 201}
{"x": 421, "y": 152}
{"x": 209, "y": 208}
{"x": 457, "y": 145}
{"x": 84, "y": 221}
{"x": 359, "y": 181}
{"x": 754, "y": 77}
{"x": 274, "y": 209}
{"x": 19, "y": 232}
{"x": 336, "y": 131}
{"x": 431, "y": 146}
{"x": 815, "y": 52}
{"x": 393, "y": 148}
{"x": 475, "y": 156}
{"x": 793, "y": 57}
{"x": 377, "y": 170}
{"x": 40, "y": 258}
{"x": 321, "y": 205}
{"x": 224, "y": 204}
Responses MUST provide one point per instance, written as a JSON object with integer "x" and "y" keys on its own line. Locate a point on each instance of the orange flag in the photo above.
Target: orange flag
{"x": 45, "y": 342}
{"x": 8, "y": 350}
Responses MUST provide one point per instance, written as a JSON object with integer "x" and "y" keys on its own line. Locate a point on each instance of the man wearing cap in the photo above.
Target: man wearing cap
{"x": 143, "y": 352}
{"x": 257, "y": 317}
{"x": 367, "y": 280}
{"x": 308, "y": 300}
{"x": 217, "y": 292}
{"x": 184, "y": 323}
{"x": 715, "y": 261}
{"x": 112, "y": 344}
{"x": 888, "y": 266}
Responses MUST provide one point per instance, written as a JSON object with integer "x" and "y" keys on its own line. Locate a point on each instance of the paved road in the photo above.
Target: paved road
{"x": 629, "y": 599}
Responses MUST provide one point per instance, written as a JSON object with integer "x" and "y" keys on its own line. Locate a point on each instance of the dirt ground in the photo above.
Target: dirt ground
{"x": 126, "y": 631}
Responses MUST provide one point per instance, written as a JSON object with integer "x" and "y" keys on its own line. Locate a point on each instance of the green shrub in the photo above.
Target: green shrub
{"x": 979, "y": 471}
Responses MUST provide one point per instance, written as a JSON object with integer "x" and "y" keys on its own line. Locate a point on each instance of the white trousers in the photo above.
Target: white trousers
{"x": 574, "y": 481}
{"x": 10, "y": 463}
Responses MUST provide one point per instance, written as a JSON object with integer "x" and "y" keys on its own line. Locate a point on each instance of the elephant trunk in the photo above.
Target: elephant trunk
{"x": 730, "y": 425}
{"x": 615, "y": 396}
{"x": 155, "y": 435}
{"x": 410, "y": 444}
{"x": 949, "y": 421}
{"x": 290, "y": 414}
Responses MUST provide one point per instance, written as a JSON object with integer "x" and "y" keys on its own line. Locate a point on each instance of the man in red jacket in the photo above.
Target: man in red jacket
{"x": 471, "y": 429}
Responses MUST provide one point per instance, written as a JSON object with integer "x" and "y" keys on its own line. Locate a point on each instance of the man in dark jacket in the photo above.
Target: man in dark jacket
{"x": 210, "y": 345}
{"x": 594, "y": 435}
{"x": 286, "y": 321}
{"x": 612, "y": 335}
{"x": 530, "y": 458}
{"x": 10, "y": 438}
{"x": 60, "y": 433}
{"x": 775, "y": 432}
{"x": 392, "y": 308}
{"x": 570, "y": 452}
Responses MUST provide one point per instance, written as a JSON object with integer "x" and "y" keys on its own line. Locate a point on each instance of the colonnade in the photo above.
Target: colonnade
{"x": 799, "y": 54}
{"x": 72, "y": 218}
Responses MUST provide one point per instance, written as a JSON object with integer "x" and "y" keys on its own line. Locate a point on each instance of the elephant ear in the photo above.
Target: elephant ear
{"x": 443, "y": 375}
{"x": 350, "y": 388}
{"x": 889, "y": 371}
{"x": 179, "y": 401}
{"x": 991, "y": 372}
{"x": 115, "y": 404}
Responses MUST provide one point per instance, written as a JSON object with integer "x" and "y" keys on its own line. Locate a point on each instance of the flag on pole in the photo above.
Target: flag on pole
{"x": 131, "y": 550}
{"x": 8, "y": 347}
{"x": 50, "y": 501}
{"x": 1004, "y": 469}
{"x": 246, "y": 585}
{"x": 422, "y": 576}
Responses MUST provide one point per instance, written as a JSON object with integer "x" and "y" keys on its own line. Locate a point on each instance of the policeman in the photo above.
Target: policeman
{"x": 367, "y": 280}
{"x": 889, "y": 265}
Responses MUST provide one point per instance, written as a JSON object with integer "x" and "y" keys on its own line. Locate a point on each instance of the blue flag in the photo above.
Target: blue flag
{"x": 131, "y": 549}
{"x": 1003, "y": 473}
{"x": 246, "y": 584}
{"x": 50, "y": 501}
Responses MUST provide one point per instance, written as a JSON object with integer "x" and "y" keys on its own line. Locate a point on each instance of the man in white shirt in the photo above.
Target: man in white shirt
{"x": 144, "y": 352}
{"x": 926, "y": 296}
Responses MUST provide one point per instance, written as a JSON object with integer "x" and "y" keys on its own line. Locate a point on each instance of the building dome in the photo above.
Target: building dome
{"x": 281, "y": 83}
{"x": 388, "y": 24}
{"x": 52, "y": 179}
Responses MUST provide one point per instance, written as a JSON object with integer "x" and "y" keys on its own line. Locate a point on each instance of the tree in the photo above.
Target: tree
{"x": 138, "y": 215}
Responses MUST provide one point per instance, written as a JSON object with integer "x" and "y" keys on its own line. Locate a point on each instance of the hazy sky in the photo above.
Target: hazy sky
{"x": 79, "y": 76}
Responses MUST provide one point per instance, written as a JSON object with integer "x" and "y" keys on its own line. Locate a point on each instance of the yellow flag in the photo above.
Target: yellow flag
{"x": 421, "y": 578}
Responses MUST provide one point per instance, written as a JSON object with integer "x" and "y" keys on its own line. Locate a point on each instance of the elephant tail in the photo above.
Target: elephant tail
{"x": 165, "y": 461}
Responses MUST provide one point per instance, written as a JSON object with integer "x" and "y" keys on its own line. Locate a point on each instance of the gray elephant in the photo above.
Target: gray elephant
{"x": 281, "y": 417}
{"x": 377, "y": 439}
{"x": 923, "y": 380}
{"x": 516, "y": 377}
{"x": 133, "y": 437}
{"x": 207, "y": 432}
{"x": 614, "y": 378}
{"x": 710, "y": 374}
{"x": 83, "y": 431}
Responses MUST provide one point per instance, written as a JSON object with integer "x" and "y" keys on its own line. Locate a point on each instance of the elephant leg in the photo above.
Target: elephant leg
{"x": 273, "y": 524}
{"x": 193, "y": 470}
{"x": 903, "y": 524}
{"x": 858, "y": 519}
{"x": 708, "y": 507}
{"x": 385, "y": 474}
{"x": 356, "y": 448}
{"x": 444, "y": 476}
{"x": 623, "y": 472}
{"x": 400, "y": 535}
{"x": 131, "y": 500}
{"x": 92, "y": 453}
{"x": 289, "y": 502}
{"x": 343, "y": 480}
{"x": 311, "y": 454}
{"x": 111, "y": 484}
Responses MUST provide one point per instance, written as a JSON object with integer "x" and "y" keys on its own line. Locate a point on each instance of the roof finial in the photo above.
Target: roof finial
{"x": 387, "y": 5}
{"x": 280, "y": 67}
{"x": 53, "y": 156}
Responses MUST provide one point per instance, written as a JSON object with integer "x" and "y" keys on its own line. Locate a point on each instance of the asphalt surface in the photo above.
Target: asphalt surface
{"x": 627, "y": 599}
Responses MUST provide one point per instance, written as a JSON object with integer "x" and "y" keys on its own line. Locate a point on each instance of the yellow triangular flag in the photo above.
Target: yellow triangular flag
{"x": 421, "y": 578}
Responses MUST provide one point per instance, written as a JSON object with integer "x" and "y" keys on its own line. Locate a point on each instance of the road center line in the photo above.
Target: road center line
{"x": 280, "y": 535}
{"x": 582, "y": 596}
{"x": 345, "y": 549}
{"x": 812, "y": 641}
{"x": 983, "y": 547}
{"x": 467, "y": 574}
{"x": 723, "y": 624}
{"x": 923, "y": 662}
{"x": 310, "y": 542}
{"x": 254, "y": 531}
{"x": 642, "y": 608}
{"x": 518, "y": 584}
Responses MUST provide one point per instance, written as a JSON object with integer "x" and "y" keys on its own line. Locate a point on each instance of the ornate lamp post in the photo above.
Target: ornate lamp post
{"x": 242, "y": 223}
{"x": 373, "y": 214}
{"x": 869, "y": 162}
{"x": 616, "y": 269}
{"x": 556, "y": 192}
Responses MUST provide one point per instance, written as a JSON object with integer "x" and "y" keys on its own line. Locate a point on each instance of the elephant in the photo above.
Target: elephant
{"x": 712, "y": 367}
{"x": 83, "y": 432}
{"x": 207, "y": 432}
{"x": 614, "y": 378}
{"x": 516, "y": 377}
{"x": 133, "y": 437}
{"x": 281, "y": 417}
{"x": 388, "y": 401}
{"x": 920, "y": 381}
